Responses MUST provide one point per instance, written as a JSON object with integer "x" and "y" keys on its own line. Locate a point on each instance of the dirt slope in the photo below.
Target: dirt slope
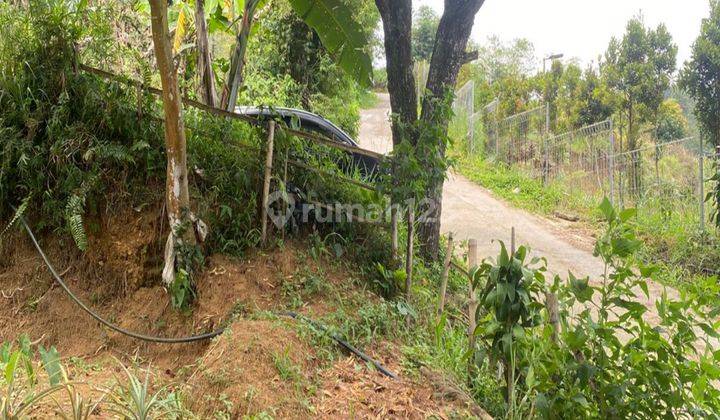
{"x": 263, "y": 364}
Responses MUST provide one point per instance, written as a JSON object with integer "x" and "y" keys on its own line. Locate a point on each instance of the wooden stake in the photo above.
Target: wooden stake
{"x": 472, "y": 303}
{"x": 394, "y": 232}
{"x": 552, "y": 305}
{"x": 285, "y": 187}
{"x": 266, "y": 182}
{"x": 512, "y": 240}
{"x": 409, "y": 258}
{"x": 445, "y": 273}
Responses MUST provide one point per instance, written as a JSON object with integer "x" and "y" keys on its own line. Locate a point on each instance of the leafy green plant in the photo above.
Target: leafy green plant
{"x": 20, "y": 378}
{"x": 510, "y": 297}
{"x": 610, "y": 361}
{"x": 132, "y": 398}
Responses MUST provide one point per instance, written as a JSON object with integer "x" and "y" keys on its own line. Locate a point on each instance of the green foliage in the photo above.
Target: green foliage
{"x": 701, "y": 75}
{"x": 19, "y": 380}
{"x": 425, "y": 25}
{"x": 609, "y": 361}
{"x": 639, "y": 67}
{"x": 69, "y": 137}
{"x": 671, "y": 124}
{"x": 132, "y": 398}
{"x": 341, "y": 35}
{"x": 511, "y": 290}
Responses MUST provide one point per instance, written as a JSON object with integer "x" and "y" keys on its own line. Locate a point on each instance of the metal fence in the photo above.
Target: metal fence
{"x": 661, "y": 178}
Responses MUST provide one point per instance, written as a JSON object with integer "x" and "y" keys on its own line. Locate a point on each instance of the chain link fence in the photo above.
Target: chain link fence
{"x": 663, "y": 179}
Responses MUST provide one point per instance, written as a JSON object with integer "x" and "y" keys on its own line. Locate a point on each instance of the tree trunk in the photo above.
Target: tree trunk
{"x": 397, "y": 26}
{"x": 237, "y": 61}
{"x": 177, "y": 194}
{"x": 207, "y": 78}
{"x": 448, "y": 57}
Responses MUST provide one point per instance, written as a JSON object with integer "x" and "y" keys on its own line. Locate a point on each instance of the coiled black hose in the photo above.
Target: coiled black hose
{"x": 193, "y": 338}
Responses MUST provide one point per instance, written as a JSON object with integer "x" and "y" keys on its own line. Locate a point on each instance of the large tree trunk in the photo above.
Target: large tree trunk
{"x": 177, "y": 194}
{"x": 448, "y": 57}
{"x": 237, "y": 61}
{"x": 207, "y": 78}
{"x": 397, "y": 26}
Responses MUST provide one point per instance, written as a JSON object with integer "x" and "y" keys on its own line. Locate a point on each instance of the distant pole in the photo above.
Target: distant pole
{"x": 409, "y": 258}
{"x": 701, "y": 180}
{"x": 445, "y": 274}
{"x": 611, "y": 163}
{"x": 473, "y": 303}
{"x": 266, "y": 182}
{"x": 546, "y": 151}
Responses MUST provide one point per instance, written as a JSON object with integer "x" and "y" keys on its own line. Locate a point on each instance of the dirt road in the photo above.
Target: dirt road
{"x": 470, "y": 211}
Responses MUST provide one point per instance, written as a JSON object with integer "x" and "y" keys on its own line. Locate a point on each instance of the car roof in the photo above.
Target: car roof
{"x": 302, "y": 115}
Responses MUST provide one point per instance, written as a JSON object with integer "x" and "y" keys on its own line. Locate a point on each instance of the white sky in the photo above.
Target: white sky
{"x": 582, "y": 28}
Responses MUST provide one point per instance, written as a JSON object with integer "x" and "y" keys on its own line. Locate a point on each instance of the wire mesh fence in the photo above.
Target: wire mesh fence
{"x": 663, "y": 179}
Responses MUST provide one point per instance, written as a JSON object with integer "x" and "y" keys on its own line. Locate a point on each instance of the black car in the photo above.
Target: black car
{"x": 313, "y": 123}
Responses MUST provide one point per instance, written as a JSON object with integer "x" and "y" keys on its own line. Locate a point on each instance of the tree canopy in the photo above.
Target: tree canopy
{"x": 701, "y": 75}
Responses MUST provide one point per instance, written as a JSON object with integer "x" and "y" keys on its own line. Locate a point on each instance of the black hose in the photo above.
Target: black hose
{"x": 349, "y": 347}
{"x": 194, "y": 338}
{"x": 100, "y": 319}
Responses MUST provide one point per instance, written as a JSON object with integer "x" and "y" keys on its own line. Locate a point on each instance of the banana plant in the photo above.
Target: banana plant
{"x": 333, "y": 21}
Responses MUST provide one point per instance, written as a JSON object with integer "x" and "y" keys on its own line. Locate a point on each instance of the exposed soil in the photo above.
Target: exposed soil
{"x": 259, "y": 364}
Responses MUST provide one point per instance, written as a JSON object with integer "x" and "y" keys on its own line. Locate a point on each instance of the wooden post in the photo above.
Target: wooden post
{"x": 512, "y": 241}
{"x": 394, "y": 232}
{"x": 409, "y": 258}
{"x": 552, "y": 305}
{"x": 285, "y": 187}
{"x": 472, "y": 303}
{"x": 445, "y": 273}
{"x": 266, "y": 182}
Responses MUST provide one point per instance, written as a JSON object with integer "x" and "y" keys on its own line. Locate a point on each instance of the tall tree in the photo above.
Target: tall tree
{"x": 335, "y": 25}
{"x": 701, "y": 75}
{"x": 204, "y": 59}
{"x": 449, "y": 54}
{"x": 425, "y": 25}
{"x": 176, "y": 188}
{"x": 639, "y": 68}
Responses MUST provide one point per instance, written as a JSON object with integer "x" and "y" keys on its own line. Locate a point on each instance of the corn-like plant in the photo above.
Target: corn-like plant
{"x": 19, "y": 378}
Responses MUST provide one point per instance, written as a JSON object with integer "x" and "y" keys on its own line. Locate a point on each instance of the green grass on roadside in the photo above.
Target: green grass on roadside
{"x": 687, "y": 258}
{"x": 513, "y": 186}
{"x": 368, "y": 99}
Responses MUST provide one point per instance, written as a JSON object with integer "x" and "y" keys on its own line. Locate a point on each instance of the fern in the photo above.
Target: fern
{"x": 18, "y": 214}
{"x": 74, "y": 211}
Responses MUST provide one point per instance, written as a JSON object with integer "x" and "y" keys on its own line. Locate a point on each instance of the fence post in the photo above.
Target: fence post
{"x": 266, "y": 182}
{"x": 701, "y": 188}
{"x": 445, "y": 273}
{"x": 409, "y": 258}
{"x": 473, "y": 303}
{"x": 394, "y": 232}
{"x": 546, "y": 151}
{"x": 611, "y": 164}
{"x": 497, "y": 130}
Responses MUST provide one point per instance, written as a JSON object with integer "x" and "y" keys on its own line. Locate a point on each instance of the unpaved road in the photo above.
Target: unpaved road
{"x": 470, "y": 211}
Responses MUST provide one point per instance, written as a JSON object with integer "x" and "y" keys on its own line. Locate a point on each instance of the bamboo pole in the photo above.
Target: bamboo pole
{"x": 409, "y": 258}
{"x": 552, "y": 305}
{"x": 266, "y": 182}
{"x": 445, "y": 273}
{"x": 394, "y": 232}
{"x": 472, "y": 302}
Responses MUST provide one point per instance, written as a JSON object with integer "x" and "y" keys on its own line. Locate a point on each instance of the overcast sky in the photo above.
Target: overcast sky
{"x": 582, "y": 28}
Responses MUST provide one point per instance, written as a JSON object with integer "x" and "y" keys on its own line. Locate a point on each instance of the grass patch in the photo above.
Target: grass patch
{"x": 368, "y": 99}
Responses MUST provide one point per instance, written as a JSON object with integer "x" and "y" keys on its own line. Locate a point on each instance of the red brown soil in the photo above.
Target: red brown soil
{"x": 119, "y": 278}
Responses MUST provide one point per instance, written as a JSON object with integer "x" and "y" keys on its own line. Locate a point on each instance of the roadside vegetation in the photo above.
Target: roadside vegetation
{"x": 668, "y": 218}
{"x": 85, "y": 161}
